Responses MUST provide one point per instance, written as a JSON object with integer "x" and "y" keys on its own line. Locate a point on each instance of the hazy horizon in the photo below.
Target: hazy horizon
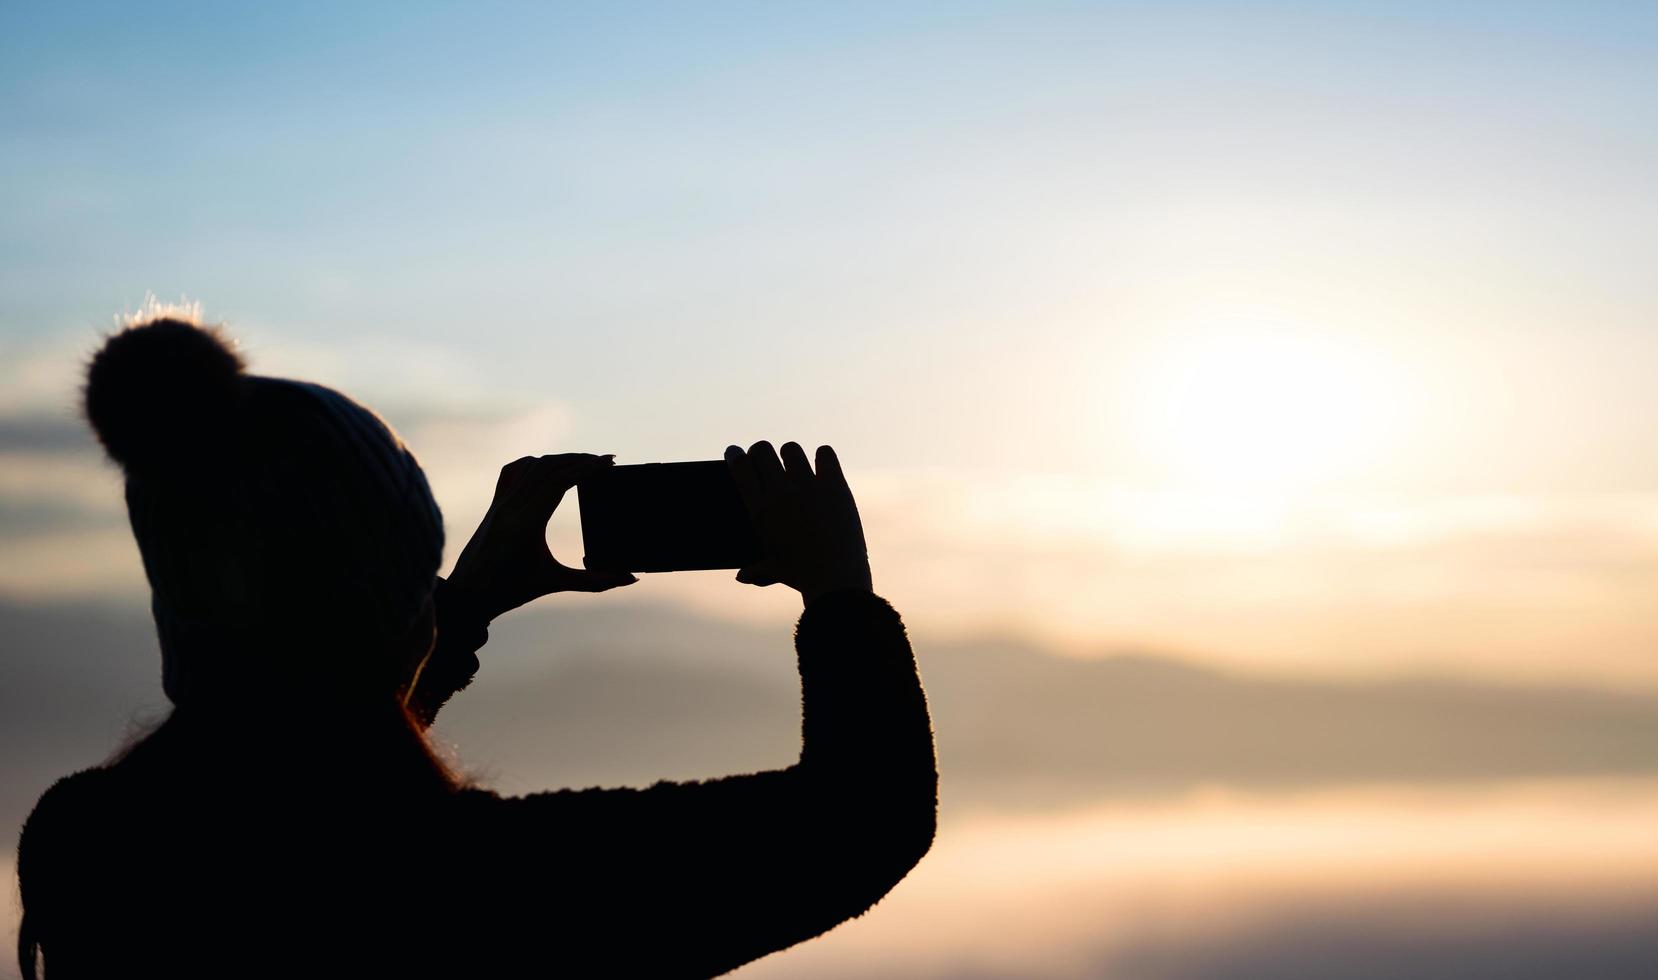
{"x": 1413, "y": 819}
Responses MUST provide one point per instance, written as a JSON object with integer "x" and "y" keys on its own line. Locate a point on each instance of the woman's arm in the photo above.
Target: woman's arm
{"x": 505, "y": 564}
{"x": 462, "y": 629}
{"x": 694, "y": 879}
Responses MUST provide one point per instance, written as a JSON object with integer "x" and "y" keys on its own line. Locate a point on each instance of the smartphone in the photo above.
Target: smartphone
{"x": 665, "y": 517}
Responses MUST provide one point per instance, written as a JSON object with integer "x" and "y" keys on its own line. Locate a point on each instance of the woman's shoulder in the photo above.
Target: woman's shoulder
{"x": 72, "y": 796}
{"x": 67, "y": 809}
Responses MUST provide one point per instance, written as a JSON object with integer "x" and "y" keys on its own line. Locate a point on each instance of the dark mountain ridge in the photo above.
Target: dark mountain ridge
{"x": 627, "y": 694}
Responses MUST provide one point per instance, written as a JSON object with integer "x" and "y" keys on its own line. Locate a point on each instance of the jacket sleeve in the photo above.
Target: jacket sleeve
{"x": 694, "y": 879}
{"x": 461, "y": 631}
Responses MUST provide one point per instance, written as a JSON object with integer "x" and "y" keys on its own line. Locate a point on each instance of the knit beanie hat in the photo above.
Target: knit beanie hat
{"x": 289, "y": 537}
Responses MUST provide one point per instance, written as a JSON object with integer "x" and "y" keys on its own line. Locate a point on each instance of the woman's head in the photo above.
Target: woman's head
{"x": 290, "y": 539}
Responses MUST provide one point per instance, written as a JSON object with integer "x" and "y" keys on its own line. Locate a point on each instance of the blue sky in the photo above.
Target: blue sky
{"x": 974, "y": 245}
{"x": 633, "y": 189}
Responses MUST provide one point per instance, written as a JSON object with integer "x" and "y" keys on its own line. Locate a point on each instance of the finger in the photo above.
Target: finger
{"x": 545, "y": 486}
{"x": 572, "y": 468}
{"x": 585, "y": 580}
{"x": 795, "y": 463}
{"x": 760, "y": 573}
{"x": 581, "y": 460}
{"x": 829, "y": 466}
{"x": 742, "y": 471}
{"x": 511, "y": 472}
{"x": 766, "y": 465}
{"x": 605, "y": 581}
{"x": 554, "y": 476}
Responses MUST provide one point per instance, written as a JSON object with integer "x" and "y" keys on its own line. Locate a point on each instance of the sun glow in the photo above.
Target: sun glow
{"x": 1266, "y": 408}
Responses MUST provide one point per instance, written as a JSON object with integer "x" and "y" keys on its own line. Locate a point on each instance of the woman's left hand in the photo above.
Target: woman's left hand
{"x": 507, "y": 563}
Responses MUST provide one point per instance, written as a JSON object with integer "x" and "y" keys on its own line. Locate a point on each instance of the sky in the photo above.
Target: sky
{"x": 1249, "y": 405}
{"x": 1303, "y": 337}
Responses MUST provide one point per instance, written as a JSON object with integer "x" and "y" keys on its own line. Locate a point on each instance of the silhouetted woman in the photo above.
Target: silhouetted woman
{"x": 288, "y": 818}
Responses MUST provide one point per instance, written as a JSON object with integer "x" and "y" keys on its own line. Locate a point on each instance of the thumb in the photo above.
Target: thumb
{"x": 591, "y": 581}
{"x": 567, "y": 579}
{"x": 760, "y": 573}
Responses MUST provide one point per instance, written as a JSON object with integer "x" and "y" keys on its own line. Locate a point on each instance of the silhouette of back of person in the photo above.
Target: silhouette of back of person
{"x": 288, "y": 817}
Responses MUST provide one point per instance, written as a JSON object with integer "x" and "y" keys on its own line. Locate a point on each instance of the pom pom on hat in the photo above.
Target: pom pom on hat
{"x": 158, "y": 392}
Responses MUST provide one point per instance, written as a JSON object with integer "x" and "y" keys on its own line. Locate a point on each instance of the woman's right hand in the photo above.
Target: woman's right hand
{"x": 507, "y": 562}
{"x": 807, "y": 522}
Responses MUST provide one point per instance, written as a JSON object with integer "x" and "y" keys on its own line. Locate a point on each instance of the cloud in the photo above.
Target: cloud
{"x": 1130, "y": 817}
{"x": 62, "y": 513}
{"x": 462, "y": 453}
{"x": 76, "y": 482}
{"x": 62, "y": 565}
{"x": 1420, "y": 933}
{"x": 1535, "y": 585}
{"x": 1528, "y": 882}
{"x": 631, "y": 693}
{"x": 41, "y": 377}
{"x": 624, "y": 692}
{"x": 1544, "y": 586}
{"x": 400, "y": 377}
{"x": 43, "y": 434}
